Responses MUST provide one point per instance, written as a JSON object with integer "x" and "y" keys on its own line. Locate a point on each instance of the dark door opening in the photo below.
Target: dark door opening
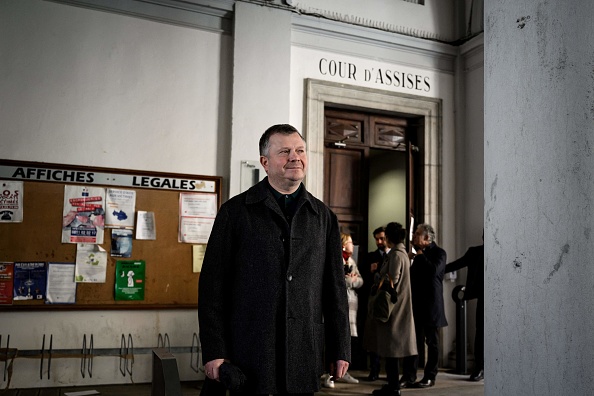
{"x": 370, "y": 171}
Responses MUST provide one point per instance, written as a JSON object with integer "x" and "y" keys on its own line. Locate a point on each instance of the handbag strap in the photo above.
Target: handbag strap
{"x": 383, "y": 279}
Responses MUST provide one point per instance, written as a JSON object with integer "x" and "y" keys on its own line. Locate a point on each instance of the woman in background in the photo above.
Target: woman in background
{"x": 353, "y": 281}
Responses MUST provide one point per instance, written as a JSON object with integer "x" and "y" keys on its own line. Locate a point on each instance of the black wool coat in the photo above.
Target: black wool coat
{"x": 426, "y": 282}
{"x": 270, "y": 290}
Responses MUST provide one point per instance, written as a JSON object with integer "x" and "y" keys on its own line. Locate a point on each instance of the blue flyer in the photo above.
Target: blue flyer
{"x": 29, "y": 281}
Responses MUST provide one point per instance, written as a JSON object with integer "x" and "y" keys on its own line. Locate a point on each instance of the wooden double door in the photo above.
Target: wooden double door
{"x": 352, "y": 139}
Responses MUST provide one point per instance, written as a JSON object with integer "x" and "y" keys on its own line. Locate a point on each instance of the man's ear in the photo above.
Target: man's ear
{"x": 264, "y": 163}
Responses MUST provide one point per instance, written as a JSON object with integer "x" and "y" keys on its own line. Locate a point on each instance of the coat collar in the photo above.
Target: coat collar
{"x": 400, "y": 247}
{"x": 261, "y": 193}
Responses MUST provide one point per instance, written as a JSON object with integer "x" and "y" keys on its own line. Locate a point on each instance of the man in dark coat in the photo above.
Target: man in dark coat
{"x": 426, "y": 277}
{"x": 368, "y": 268}
{"x": 474, "y": 259}
{"x": 272, "y": 286}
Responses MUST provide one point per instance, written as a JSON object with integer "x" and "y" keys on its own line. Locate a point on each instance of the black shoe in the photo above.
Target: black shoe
{"x": 425, "y": 383}
{"x": 372, "y": 376}
{"x": 406, "y": 383}
{"x": 386, "y": 390}
{"x": 477, "y": 376}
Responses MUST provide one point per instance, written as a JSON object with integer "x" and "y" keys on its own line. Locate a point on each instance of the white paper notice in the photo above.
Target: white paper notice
{"x": 61, "y": 287}
{"x": 91, "y": 263}
{"x": 145, "y": 225}
{"x": 197, "y": 212}
{"x": 198, "y": 204}
{"x": 198, "y": 257}
{"x": 119, "y": 208}
{"x": 195, "y": 230}
{"x": 11, "y": 201}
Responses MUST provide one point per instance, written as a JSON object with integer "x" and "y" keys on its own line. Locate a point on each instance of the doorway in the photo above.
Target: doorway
{"x": 369, "y": 171}
{"x": 426, "y": 112}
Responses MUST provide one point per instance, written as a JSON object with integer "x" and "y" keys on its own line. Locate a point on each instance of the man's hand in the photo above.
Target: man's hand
{"x": 339, "y": 369}
{"x": 212, "y": 368}
{"x": 373, "y": 267}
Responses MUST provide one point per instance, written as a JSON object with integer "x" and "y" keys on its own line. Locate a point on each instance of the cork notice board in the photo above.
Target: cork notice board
{"x": 169, "y": 281}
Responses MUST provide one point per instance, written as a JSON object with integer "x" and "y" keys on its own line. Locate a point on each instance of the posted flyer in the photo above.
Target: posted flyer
{"x": 91, "y": 263}
{"x": 29, "y": 280}
{"x": 197, "y": 212}
{"x": 61, "y": 287}
{"x": 130, "y": 280}
{"x": 6, "y": 283}
{"x": 83, "y": 214}
{"x": 11, "y": 201}
{"x": 121, "y": 243}
{"x": 119, "y": 208}
{"x": 145, "y": 225}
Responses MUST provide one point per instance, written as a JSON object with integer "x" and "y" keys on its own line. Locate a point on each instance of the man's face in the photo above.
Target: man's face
{"x": 420, "y": 240}
{"x": 380, "y": 240}
{"x": 286, "y": 162}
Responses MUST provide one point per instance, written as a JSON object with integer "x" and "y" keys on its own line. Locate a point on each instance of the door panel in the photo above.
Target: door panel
{"x": 343, "y": 174}
{"x": 343, "y": 169}
{"x": 388, "y": 132}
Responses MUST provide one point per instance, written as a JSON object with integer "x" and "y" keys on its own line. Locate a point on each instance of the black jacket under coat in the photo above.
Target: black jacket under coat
{"x": 426, "y": 281}
{"x": 271, "y": 289}
{"x": 473, "y": 259}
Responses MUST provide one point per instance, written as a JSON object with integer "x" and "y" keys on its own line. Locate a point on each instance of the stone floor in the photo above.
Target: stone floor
{"x": 446, "y": 384}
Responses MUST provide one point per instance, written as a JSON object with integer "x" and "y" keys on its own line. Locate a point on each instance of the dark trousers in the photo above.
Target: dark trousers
{"x": 374, "y": 363}
{"x": 479, "y": 337}
{"x": 392, "y": 372}
{"x": 425, "y": 335}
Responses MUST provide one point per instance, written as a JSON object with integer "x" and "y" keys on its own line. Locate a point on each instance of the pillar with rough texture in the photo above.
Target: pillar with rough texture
{"x": 539, "y": 168}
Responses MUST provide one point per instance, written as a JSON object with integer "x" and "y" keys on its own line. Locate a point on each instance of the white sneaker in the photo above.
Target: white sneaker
{"x": 328, "y": 381}
{"x": 349, "y": 379}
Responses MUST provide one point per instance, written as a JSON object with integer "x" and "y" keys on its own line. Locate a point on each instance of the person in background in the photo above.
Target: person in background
{"x": 426, "y": 277}
{"x": 272, "y": 281}
{"x": 371, "y": 264}
{"x": 395, "y": 338}
{"x": 353, "y": 281}
{"x": 474, "y": 259}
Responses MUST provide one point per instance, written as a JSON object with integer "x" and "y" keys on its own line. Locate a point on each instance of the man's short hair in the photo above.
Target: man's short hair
{"x": 428, "y": 230}
{"x": 378, "y": 230}
{"x": 284, "y": 129}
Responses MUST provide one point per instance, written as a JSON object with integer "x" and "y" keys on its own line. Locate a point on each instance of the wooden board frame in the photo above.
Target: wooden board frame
{"x": 170, "y": 281}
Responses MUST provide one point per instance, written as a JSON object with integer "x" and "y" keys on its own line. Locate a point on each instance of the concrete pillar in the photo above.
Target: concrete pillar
{"x": 539, "y": 168}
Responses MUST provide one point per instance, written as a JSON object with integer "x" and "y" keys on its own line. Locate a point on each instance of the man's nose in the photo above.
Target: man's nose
{"x": 293, "y": 155}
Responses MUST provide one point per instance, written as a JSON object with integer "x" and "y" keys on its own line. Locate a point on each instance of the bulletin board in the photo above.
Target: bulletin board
{"x": 169, "y": 280}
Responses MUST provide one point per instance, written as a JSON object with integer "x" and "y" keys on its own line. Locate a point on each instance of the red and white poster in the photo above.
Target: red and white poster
{"x": 6, "y": 283}
{"x": 83, "y": 215}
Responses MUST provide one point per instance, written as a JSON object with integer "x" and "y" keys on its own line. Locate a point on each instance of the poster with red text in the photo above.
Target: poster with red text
{"x": 6, "y": 283}
{"x": 83, "y": 214}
